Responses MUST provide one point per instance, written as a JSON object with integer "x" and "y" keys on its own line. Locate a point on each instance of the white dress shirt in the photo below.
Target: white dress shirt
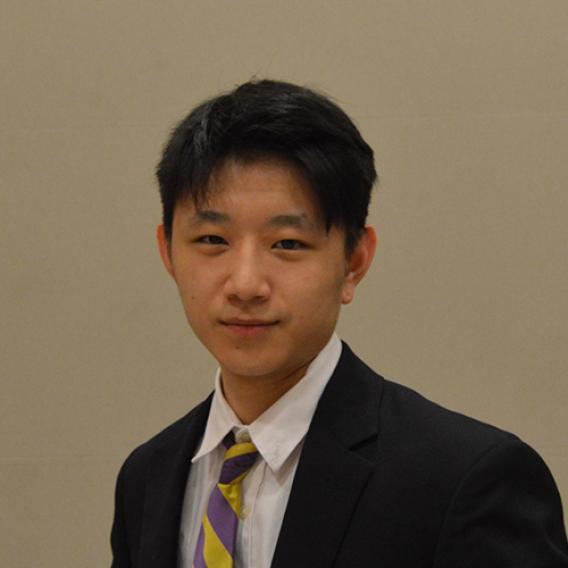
{"x": 278, "y": 434}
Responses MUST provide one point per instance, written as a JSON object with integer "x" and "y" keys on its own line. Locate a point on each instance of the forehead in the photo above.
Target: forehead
{"x": 261, "y": 177}
{"x": 262, "y": 187}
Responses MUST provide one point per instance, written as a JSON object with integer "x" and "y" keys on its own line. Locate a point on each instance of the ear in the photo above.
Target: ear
{"x": 164, "y": 247}
{"x": 358, "y": 263}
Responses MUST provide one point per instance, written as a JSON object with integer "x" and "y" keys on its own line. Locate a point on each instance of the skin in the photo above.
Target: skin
{"x": 260, "y": 279}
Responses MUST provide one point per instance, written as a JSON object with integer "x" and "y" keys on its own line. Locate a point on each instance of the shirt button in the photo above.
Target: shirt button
{"x": 242, "y": 436}
{"x": 245, "y": 512}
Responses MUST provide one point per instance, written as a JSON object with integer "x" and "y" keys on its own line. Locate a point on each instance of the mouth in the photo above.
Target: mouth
{"x": 248, "y": 327}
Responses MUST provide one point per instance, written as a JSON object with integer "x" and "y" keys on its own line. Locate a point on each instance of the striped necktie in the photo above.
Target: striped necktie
{"x": 216, "y": 542}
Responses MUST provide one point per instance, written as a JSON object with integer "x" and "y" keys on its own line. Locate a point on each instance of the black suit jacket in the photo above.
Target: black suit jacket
{"x": 386, "y": 479}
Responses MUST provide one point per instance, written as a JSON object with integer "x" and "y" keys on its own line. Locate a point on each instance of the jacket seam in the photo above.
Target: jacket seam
{"x": 449, "y": 510}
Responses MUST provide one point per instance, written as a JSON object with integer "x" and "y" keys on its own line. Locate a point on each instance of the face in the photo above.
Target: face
{"x": 260, "y": 278}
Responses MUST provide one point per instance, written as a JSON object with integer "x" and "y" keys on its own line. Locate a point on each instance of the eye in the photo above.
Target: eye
{"x": 290, "y": 244}
{"x": 211, "y": 240}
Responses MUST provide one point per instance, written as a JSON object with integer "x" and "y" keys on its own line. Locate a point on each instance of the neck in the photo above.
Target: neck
{"x": 249, "y": 397}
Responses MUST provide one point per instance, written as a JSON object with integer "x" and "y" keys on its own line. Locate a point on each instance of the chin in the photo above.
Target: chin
{"x": 251, "y": 371}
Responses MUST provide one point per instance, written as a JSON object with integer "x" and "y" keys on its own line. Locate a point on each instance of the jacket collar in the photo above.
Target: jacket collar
{"x": 334, "y": 466}
{"x": 165, "y": 488}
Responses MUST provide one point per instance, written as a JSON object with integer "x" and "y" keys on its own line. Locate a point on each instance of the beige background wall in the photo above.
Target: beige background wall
{"x": 466, "y": 105}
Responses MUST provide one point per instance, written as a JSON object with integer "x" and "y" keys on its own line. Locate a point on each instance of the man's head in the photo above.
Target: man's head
{"x": 271, "y": 119}
{"x": 264, "y": 191}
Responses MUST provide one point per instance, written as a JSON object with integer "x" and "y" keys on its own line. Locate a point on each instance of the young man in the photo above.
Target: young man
{"x": 303, "y": 456}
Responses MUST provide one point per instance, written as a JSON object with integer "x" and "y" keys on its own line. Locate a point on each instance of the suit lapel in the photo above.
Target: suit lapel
{"x": 165, "y": 489}
{"x": 334, "y": 467}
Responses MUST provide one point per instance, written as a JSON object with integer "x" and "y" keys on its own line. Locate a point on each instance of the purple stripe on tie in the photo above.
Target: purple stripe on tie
{"x": 229, "y": 440}
{"x": 223, "y": 519}
{"x": 198, "y": 560}
{"x": 234, "y": 467}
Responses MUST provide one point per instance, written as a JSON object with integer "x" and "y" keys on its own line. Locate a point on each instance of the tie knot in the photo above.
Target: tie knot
{"x": 239, "y": 458}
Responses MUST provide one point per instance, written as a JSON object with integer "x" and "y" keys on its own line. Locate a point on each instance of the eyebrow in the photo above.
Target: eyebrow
{"x": 296, "y": 221}
{"x": 291, "y": 220}
{"x": 209, "y": 216}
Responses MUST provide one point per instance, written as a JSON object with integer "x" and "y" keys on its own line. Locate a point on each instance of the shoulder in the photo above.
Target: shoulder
{"x": 455, "y": 455}
{"x": 476, "y": 490}
{"x": 409, "y": 417}
{"x": 417, "y": 433}
{"x": 447, "y": 445}
{"x": 416, "y": 417}
{"x": 185, "y": 430}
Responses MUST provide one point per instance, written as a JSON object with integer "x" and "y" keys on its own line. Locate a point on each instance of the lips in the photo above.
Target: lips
{"x": 248, "y": 322}
{"x": 248, "y": 328}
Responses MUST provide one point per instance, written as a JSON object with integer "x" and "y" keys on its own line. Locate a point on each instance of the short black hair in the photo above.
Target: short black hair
{"x": 272, "y": 119}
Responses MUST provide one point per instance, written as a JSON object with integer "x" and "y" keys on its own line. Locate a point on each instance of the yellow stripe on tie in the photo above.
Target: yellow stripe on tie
{"x": 232, "y": 494}
{"x": 211, "y": 551}
{"x": 214, "y": 553}
{"x": 240, "y": 450}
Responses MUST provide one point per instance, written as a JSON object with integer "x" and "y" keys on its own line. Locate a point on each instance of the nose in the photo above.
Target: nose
{"x": 247, "y": 280}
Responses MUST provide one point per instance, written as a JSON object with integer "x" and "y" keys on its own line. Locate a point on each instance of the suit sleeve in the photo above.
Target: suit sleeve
{"x": 118, "y": 538}
{"x": 505, "y": 513}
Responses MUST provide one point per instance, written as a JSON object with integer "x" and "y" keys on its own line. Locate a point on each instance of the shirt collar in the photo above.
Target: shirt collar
{"x": 277, "y": 431}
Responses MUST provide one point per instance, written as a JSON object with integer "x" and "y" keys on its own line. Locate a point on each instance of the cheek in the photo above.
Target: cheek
{"x": 187, "y": 293}
{"x": 194, "y": 285}
{"x": 193, "y": 299}
{"x": 317, "y": 295}
{"x": 333, "y": 284}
